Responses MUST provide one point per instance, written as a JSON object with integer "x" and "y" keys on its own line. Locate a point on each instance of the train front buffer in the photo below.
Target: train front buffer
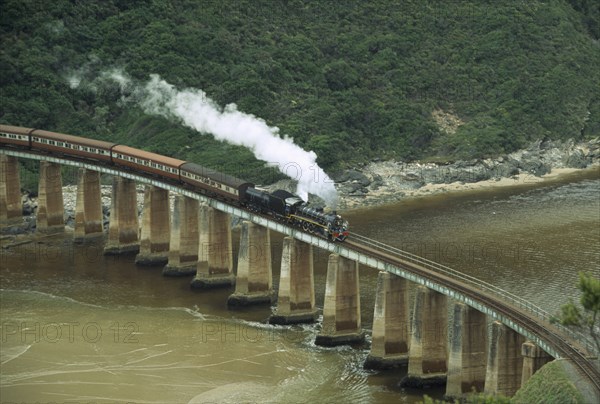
{"x": 339, "y": 229}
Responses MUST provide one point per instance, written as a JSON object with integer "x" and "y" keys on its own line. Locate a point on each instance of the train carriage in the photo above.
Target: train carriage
{"x": 14, "y": 135}
{"x": 280, "y": 204}
{"x": 213, "y": 181}
{"x": 71, "y": 145}
{"x": 146, "y": 161}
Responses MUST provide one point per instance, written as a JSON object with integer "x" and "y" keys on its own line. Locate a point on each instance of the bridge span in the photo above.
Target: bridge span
{"x": 515, "y": 313}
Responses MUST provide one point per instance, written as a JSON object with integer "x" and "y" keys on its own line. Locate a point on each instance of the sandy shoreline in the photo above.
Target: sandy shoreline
{"x": 384, "y": 182}
{"x": 387, "y": 196}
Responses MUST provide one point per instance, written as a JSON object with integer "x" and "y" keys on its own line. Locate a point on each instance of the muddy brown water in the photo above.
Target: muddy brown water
{"x": 78, "y": 326}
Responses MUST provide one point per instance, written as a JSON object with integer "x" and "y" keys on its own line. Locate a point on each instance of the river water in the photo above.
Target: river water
{"x": 78, "y": 326}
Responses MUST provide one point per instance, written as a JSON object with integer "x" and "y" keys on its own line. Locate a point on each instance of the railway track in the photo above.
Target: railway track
{"x": 534, "y": 324}
{"x": 502, "y": 302}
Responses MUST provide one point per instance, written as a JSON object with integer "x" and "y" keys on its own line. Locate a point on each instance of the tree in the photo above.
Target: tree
{"x": 589, "y": 318}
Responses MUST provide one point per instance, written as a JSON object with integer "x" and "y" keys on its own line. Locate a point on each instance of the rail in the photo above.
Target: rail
{"x": 539, "y": 313}
{"x": 377, "y": 254}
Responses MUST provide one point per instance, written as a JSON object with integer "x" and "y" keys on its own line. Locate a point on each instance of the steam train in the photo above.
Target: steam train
{"x": 281, "y": 205}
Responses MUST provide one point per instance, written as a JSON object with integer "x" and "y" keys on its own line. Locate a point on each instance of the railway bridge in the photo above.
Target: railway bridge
{"x": 446, "y": 326}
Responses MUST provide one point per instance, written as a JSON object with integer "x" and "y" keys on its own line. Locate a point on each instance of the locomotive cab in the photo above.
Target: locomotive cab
{"x": 339, "y": 229}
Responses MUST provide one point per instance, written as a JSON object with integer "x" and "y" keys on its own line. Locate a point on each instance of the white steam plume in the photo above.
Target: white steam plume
{"x": 194, "y": 109}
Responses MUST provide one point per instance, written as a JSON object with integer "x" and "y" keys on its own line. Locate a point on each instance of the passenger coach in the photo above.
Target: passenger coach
{"x": 146, "y": 161}
{"x": 14, "y": 135}
{"x": 71, "y": 145}
{"x": 215, "y": 182}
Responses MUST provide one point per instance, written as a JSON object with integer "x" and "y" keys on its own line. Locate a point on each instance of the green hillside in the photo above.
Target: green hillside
{"x": 351, "y": 80}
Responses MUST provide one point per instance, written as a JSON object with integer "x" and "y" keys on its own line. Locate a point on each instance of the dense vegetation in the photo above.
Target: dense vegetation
{"x": 351, "y": 80}
{"x": 586, "y": 316}
{"x": 551, "y": 384}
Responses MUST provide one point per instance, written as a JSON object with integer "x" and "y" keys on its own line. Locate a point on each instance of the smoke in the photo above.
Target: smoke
{"x": 193, "y": 108}
{"x": 85, "y": 75}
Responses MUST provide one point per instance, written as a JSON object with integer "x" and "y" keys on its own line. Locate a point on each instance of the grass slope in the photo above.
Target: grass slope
{"x": 550, "y": 384}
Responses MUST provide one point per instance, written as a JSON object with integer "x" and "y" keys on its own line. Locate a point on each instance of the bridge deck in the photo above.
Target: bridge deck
{"x": 516, "y": 313}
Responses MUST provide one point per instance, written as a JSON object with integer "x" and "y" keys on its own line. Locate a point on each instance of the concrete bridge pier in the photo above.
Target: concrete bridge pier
{"x": 156, "y": 228}
{"x": 51, "y": 209}
{"x": 203, "y": 239}
{"x": 391, "y": 326}
{"x": 183, "y": 253}
{"x": 11, "y": 206}
{"x": 533, "y": 359}
{"x": 427, "y": 363}
{"x": 296, "y": 298}
{"x": 254, "y": 282}
{"x": 505, "y": 363}
{"x": 341, "y": 310}
{"x": 217, "y": 270}
{"x": 123, "y": 228}
{"x": 88, "y": 207}
{"x": 468, "y": 352}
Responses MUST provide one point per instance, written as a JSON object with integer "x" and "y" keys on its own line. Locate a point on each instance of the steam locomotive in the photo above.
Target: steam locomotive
{"x": 281, "y": 205}
{"x": 291, "y": 208}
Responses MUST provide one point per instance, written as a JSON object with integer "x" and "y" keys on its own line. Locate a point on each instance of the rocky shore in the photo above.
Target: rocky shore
{"x": 30, "y": 206}
{"x": 383, "y": 182}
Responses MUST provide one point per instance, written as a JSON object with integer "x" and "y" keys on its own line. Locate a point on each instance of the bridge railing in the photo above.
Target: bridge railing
{"x": 583, "y": 340}
{"x": 542, "y": 315}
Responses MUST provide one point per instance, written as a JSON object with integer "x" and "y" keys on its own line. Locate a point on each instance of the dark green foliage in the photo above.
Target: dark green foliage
{"x": 590, "y": 15}
{"x": 350, "y": 80}
{"x": 587, "y": 315}
{"x": 553, "y": 383}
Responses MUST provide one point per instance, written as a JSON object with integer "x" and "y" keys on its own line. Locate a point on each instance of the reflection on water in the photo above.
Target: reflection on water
{"x": 80, "y": 326}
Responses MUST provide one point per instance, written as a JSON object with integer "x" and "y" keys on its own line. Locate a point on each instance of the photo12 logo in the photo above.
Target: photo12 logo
{"x": 223, "y": 332}
{"x": 27, "y": 332}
